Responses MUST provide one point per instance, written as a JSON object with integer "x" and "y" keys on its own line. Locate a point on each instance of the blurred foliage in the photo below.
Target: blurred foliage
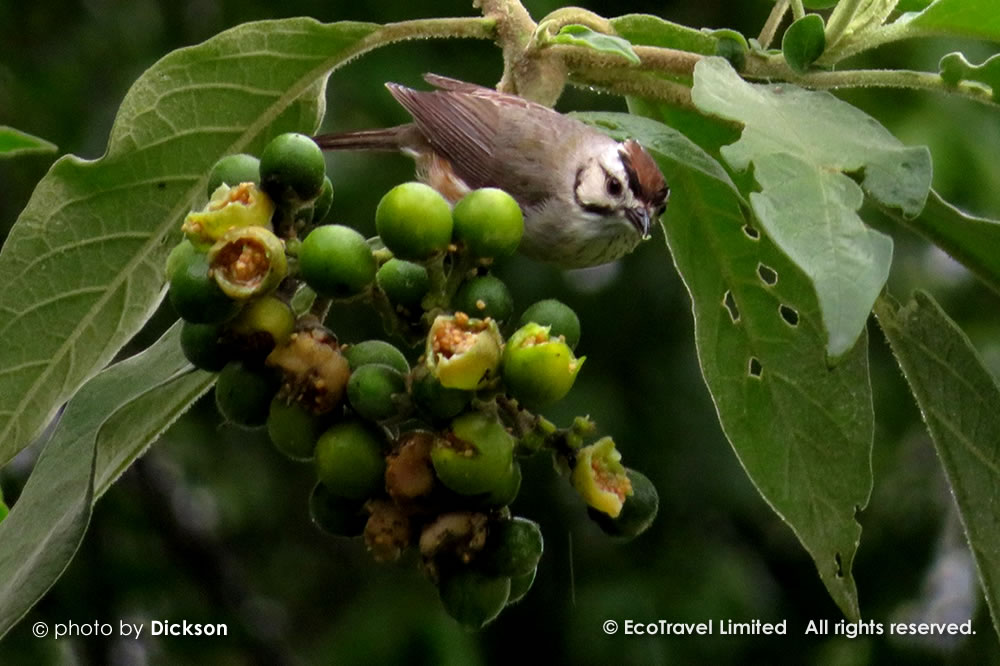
{"x": 212, "y": 525}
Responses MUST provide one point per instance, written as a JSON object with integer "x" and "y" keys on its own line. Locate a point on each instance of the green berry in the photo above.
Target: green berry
{"x": 506, "y": 492}
{"x": 474, "y": 456}
{"x": 323, "y": 202}
{"x": 473, "y": 598}
{"x": 558, "y": 316}
{"x": 293, "y": 429}
{"x": 349, "y": 460}
{"x": 489, "y": 223}
{"x": 405, "y": 283}
{"x": 248, "y": 262}
{"x": 371, "y": 389}
{"x": 195, "y": 295}
{"x": 262, "y": 325}
{"x": 638, "y": 510}
{"x": 232, "y": 170}
{"x": 376, "y": 351}
{"x": 414, "y": 221}
{"x": 519, "y": 586}
{"x": 513, "y": 548}
{"x": 436, "y": 401}
{"x": 485, "y": 296}
{"x": 292, "y": 169}
{"x": 204, "y": 346}
{"x": 336, "y": 261}
{"x": 538, "y": 370}
{"x": 336, "y": 515}
{"x": 178, "y": 257}
{"x": 243, "y": 394}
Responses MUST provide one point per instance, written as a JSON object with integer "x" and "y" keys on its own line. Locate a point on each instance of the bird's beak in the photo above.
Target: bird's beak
{"x": 640, "y": 219}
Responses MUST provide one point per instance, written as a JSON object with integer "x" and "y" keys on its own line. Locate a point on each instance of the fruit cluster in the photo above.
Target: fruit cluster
{"x": 418, "y": 456}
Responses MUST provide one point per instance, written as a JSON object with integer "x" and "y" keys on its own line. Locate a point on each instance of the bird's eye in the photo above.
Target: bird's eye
{"x": 614, "y": 187}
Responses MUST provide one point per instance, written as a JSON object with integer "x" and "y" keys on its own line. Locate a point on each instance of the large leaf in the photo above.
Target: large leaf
{"x": 108, "y": 424}
{"x": 14, "y": 142}
{"x": 966, "y": 18}
{"x": 801, "y": 143}
{"x": 960, "y": 402}
{"x": 972, "y": 241}
{"x": 802, "y": 430}
{"x": 82, "y": 268}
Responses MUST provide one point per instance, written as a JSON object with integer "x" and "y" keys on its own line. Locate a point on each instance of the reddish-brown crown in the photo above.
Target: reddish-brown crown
{"x": 644, "y": 175}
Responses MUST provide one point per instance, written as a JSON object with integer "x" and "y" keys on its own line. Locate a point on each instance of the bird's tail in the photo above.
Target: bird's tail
{"x": 388, "y": 139}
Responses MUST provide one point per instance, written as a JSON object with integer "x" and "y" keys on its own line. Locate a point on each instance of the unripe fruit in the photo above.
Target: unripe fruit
{"x": 178, "y": 257}
{"x": 195, "y": 295}
{"x": 600, "y": 477}
{"x": 519, "y": 586}
{"x": 336, "y": 515}
{"x": 463, "y": 353}
{"x": 638, "y": 511}
{"x": 292, "y": 169}
{"x": 485, "y": 296}
{"x": 414, "y": 221}
{"x": 293, "y": 429}
{"x": 336, "y": 261}
{"x": 489, "y": 223}
{"x": 349, "y": 460}
{"x": 376, "y": 351}
{"x": 559, "y": 317}
{"x": 248, "y": 262}
{"x": 506, "y": 492}
{"x": 232, "y": 170}
{"x": 243, "y": 394}
{"x": 473, "y": 598}
{"x": 436, "y": 401}
{"x": 513, "y": 548}
{"x": 262, "y": 325}
{"x": 371, "y": 389}
{"x": 474, "y": 455}
{"x": 405, "y": 283}
{"x": 538, "y": 370}
{"x": 244, "y": 205}
{"x": 204, "y": 346}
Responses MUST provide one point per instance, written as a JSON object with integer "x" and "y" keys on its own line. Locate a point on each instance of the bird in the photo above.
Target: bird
{"x": 587, "y": 199}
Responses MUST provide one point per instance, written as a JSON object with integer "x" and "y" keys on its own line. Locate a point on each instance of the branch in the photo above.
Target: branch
{"x": 775, "y": 68}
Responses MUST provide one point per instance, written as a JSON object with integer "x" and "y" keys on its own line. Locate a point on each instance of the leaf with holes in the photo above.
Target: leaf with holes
{"x": 804, "y": 142}
{"x": 82, "y": 268}
{"x": 803, "y": 431}
{"x": 960, "y": 402}
{"x": 14, "y": 142}
{"x": 104, "y": 428}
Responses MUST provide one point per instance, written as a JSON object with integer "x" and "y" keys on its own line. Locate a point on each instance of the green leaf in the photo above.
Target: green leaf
{"x": 803, "y": 431}
{"x": 813, "y": 219}
{"x": 960, "y": 402}
{"x": 581, "y": 35}
{"x": 955, "y": 68}
{"x": 650, "y": 30}
{"x": 978, "y": 19}
{"x": 811, "y": 214}
{"x": 82, "y": 268}
{"x": 804, "y": 42}
{"x": 14, "y": 143}
{"x": 109, "y": 423}
{"x": 972, "y": 241}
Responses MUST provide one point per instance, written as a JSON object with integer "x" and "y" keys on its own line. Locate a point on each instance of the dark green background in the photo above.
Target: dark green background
{"x": 211, "y": 525}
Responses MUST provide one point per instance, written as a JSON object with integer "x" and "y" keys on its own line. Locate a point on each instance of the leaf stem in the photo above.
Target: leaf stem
{"x": 775, "y": 68}
{"x": 774, "y": 19}
{"x": 840, "y": 20}
{"x": 798, "y": 11}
